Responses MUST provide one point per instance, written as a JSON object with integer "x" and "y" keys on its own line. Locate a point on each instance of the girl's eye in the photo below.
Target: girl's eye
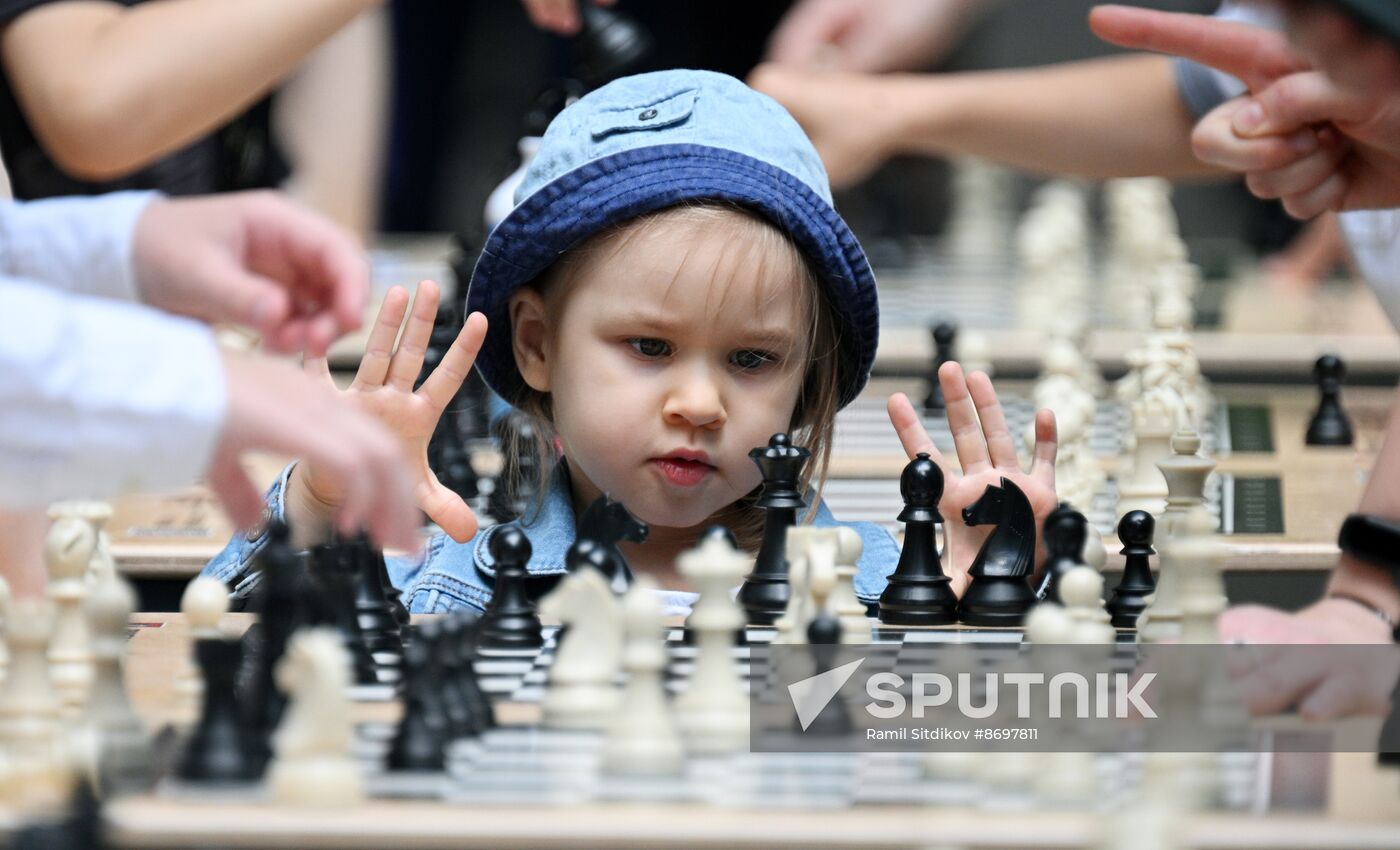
{"x": 751, "y": 359}
{"x": 648, "y": 347}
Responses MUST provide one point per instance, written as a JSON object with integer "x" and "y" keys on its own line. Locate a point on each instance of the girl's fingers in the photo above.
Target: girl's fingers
{"x": 446, "y": 508}
{"x": 910, "y": 430}
{"x": 971, "y": 445}
{"x": 379, "y": 348}
{"x": 1047, "y": 444}
{"x": 1000, "y": 445}
{"x": 443, "y": 383}
{"x": 413, "y": 344}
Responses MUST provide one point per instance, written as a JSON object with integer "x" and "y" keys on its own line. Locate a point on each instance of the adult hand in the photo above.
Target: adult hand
{"x": 986, "y": 453}
{"x": 847, "y": 116}
{"x": 383, "y": 388}
{"x": 1324, "y": 684}
{"x": 253, "y": 258}
{"x": 872, "y": 36}
{"x": 1324, "y": 137}
{"x": 558, "y": 16}
{"x": 274, "y": 407}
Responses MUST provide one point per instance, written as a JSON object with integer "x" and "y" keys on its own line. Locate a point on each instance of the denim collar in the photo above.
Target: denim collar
{"x": 553, "y": 528}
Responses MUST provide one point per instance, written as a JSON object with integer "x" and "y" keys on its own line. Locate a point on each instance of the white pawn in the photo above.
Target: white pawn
{"x": 1049, "y": 624}
{"x": 1094, "y": 554}
{"x": 792, "y": 625}
{"x": 643, "y": 738}
{"x": 582, "y": 694}
{"x": 313, "y": 766}
{"x": 713, "y": 713}
{"x": 950, "y": 762}
{"x": 1081, "y": 588}
{"x": 844, "y": 604}
{"x": 34, "y": 769}
{"x": 110, "y": 741}
{"x": 68, "y": 550}
{"x": 203, "y": 604}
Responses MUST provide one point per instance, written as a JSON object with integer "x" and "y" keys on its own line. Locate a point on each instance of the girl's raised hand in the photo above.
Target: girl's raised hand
{"x": 986, "y": 453}
{"x": 383, "y": 386}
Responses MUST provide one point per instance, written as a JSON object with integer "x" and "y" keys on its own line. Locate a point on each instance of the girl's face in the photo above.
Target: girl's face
{"x": 669, "y": 352}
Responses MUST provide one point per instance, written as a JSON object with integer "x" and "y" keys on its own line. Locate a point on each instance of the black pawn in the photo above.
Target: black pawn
{"x": 1065, "y": 532}
{"x": 333, "y": 573}
{"x": 944, "y": 334}
{"x": 421, "y": 738}
{"x": 222, "y": 749}
{"x": 393, "y": 597}
{"x": 765, "y": 592}
{"x": 455, "y": 705}
{"x": 918, "y": 593}
{"x": 374, "y": 611}
{"x": 469, "y": 637}
{"x": 1329, "y": 425}
{"x": 510, "y": 621}
{"x": 1130, "y": 597}
{"x": 80, "y": 827}
{"x": 824, "y": 639}
{"x": 278, "y": 615}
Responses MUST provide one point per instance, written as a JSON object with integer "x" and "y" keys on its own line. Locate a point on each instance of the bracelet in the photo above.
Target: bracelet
{"x": 1369, "y": 606}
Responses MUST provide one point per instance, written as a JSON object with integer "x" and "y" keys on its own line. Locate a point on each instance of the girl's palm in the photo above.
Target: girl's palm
{"x": 986, "y": 453}
{"x": 383, "y": 386}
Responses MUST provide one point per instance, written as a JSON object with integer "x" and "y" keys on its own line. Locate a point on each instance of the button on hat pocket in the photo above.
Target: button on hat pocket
{"x": 657, "y": 115}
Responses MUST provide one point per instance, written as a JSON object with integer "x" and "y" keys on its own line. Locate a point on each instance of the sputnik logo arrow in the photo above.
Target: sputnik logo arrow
{"x": 811, "y": 695}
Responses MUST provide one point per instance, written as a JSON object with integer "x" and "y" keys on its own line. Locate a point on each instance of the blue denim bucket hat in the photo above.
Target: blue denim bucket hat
{"x": 651, "y": 141}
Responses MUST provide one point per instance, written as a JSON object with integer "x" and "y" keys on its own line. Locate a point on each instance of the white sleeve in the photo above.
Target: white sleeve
{"x": 98, "y": 397}
{"x": 1374, "y": 239}
{"x": 81, "y": 245}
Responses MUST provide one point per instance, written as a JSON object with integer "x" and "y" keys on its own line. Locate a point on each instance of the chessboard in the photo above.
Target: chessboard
{"x": 1278, "y": 501}
{"x": 521, "y": 784}
{"x": 1245, "y": 324}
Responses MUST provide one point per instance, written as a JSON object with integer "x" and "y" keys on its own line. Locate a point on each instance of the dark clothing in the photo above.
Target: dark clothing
{"x": 239, "y": 155}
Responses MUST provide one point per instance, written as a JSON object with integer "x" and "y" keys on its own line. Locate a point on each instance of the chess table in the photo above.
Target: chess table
{"x": 1280, "y": 501}
{"x": 1295, "y": 800}
{"x": 1247, "y": 329}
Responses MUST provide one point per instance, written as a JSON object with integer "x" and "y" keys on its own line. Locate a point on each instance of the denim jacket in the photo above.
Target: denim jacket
{"x": 447, "y": 574}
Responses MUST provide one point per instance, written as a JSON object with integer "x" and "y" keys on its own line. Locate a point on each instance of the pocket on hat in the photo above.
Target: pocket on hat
{"x": 656, "y": 115}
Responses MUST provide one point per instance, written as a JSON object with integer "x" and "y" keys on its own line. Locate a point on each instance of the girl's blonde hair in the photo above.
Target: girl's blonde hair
{"x": 766, "y": 248}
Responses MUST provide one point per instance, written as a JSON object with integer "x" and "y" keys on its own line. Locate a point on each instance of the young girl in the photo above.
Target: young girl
{"x": 672, "y": 288}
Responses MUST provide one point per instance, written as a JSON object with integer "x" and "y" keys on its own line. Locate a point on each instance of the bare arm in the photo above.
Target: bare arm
{"x": 1102, "y": 118}
{"x": 109, "y": 88}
